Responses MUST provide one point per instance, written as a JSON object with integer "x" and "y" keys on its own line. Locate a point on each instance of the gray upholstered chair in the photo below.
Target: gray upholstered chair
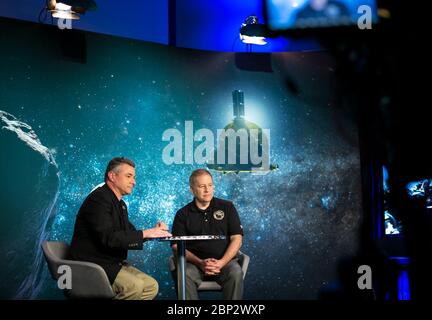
{"x": 212, "y": 285}
{"x": 89, "y": 280}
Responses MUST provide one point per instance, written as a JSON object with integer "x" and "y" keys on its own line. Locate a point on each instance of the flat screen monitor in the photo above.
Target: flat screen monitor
{"x": 305, "y": 14}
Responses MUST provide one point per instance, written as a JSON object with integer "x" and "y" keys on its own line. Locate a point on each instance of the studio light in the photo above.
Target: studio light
{"x": 61, "y": 10}
{"x": 252, "y": 32}
{"x": 69, "y": 9}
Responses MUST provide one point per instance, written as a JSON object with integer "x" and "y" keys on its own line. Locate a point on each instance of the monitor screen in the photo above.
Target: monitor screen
{"x": 421, "y": 189}
{"x": 392, "y": 220}
{"x": 300, "y": 14}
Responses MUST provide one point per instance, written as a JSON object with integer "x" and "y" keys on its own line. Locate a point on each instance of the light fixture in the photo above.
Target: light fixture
{"x": 61, "y": 10}
{"x": 69, "y": 9}
{"x": 252, "y": 32}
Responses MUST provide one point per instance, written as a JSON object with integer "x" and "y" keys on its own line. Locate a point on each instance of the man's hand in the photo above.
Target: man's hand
{"x": 213, "y": 266}
{"x": 202, "y": 265}
{"x": 162, "y": 225}
{"x": 209, "y": 270}
{"x": 160, "y": 231}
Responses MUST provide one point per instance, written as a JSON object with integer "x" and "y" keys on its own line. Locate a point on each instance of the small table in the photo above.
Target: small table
{"x": 181, "y": 258}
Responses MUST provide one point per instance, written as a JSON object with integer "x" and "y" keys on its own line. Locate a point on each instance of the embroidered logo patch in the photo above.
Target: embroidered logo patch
{"x": 218, "y": 215}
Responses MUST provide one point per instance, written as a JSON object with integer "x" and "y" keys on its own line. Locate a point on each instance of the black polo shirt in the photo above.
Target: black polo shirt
{"x": 220, "y": 218}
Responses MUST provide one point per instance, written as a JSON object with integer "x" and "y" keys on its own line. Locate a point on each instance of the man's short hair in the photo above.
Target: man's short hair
{"x": 115, "y": 163}
{"x": 197, "y": 173}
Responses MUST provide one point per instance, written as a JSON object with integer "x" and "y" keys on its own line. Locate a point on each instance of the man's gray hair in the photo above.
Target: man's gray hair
{"x": 115, "y": 163}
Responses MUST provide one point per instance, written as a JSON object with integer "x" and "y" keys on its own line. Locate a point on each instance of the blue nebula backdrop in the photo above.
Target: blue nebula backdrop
{"x": 62, "y": 121}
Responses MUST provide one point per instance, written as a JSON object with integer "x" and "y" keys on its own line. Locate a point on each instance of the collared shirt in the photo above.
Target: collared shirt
{"x": 219, "y": 218}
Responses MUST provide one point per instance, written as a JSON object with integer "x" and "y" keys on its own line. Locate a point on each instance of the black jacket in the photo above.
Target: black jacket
{"x": 103, "y": 233}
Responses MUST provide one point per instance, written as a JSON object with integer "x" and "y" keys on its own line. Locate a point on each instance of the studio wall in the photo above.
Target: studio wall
{"x": 62, "y": 121}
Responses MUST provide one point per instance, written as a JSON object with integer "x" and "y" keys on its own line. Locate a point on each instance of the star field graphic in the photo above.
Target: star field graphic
{"x": 298, "y": 220}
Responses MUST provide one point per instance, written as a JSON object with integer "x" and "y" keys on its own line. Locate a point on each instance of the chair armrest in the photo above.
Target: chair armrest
{"x": 244, "y": 262}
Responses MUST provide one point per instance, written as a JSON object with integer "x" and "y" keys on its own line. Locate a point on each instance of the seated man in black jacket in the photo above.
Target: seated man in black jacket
{"x": 103, "y": 233}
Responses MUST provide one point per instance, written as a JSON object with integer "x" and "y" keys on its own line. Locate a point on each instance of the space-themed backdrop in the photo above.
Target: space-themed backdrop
{"x": 61, "y": 122}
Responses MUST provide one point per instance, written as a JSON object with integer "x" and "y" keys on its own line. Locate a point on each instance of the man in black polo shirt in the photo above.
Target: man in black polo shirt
{"x": 103, "y": 233}
{"x": 207, "y": 215}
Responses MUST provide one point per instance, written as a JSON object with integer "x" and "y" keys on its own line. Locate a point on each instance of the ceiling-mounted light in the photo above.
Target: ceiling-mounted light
{"x": 61, "y": 10}
{"x": 69, "y": 9}
{"x": 252, "y": 32}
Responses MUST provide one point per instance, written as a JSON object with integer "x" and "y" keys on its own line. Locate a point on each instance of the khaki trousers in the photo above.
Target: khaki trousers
{"x": 132, "y": 284}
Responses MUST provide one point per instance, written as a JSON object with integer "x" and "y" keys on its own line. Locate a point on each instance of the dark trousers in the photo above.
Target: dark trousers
{"x": 230, "y": 279}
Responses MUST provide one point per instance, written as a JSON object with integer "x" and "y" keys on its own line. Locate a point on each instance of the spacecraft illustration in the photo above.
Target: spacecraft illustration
{"x": 242, "y": 146}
